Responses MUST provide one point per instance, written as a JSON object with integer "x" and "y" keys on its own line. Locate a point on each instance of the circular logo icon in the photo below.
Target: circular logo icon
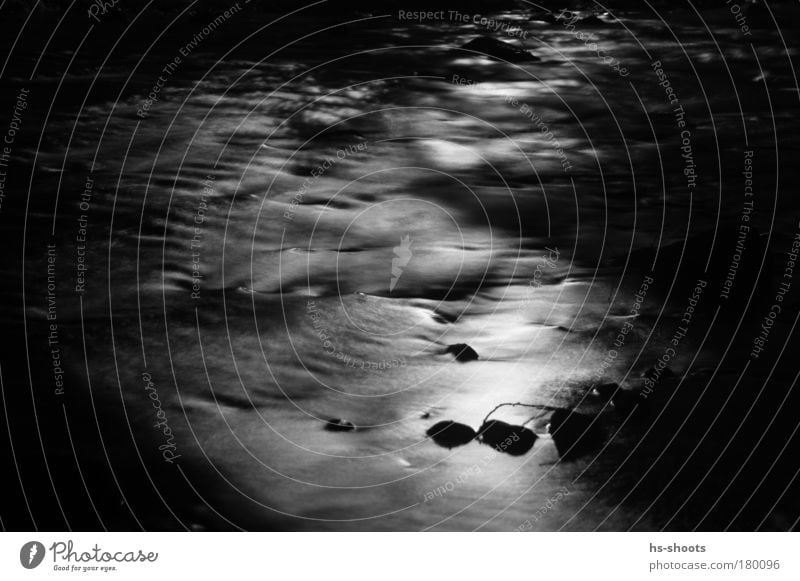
{"x": 31, "y": 554}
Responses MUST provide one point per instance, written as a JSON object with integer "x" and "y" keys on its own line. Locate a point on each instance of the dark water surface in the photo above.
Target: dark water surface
{"x": 249, "y": 321}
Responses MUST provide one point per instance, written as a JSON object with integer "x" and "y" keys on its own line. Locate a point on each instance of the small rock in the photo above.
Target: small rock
{"x": 339, "y": 425}
{"x": 500, "y": 50}
{"x": 623, "y": 401}
{"x": 462, "y": 352}
{"x": 605, "y": 391}
{"x": 450, "y": 434}
{"x": 507, "y": 438}
{"x": 654, "y": 374}
{"x": 628, "y": 402}
{"x": 574, "y": 434}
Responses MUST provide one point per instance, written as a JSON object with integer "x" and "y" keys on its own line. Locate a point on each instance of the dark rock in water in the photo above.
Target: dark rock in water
{"x": 574, "y": 434}
{"x": 339, "y": 425}
{"x": 654, "y": 374}
{"x": 506, "y": 438}
{"x": 462, "y": 351}
{"x": 624, "y": 401}
{"x": 450, "y": 434}
{"x": 499, "y": 50}
{"x": 707, "y": 256}
{"x": 630, "y": 402}
{"x": 605, "y": 391}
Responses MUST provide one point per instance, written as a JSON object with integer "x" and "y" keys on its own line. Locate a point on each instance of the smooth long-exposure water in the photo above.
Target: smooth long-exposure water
{"x": 292, "y": 229}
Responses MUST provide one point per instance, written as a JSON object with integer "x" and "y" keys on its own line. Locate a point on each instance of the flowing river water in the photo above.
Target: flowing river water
{"x": 295, "y": 229}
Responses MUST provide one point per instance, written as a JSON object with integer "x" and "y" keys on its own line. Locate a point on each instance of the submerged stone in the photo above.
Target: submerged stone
{"x": 628, "y": 402}
{"x": 574, "y": 434}
{"x": 654, "y": 374}
{"x": 462, "y": 352}
{"x": 499, "y": 50}
{"x": 339, "y": 425}
{"x": 450, "y": 434}
{"x": 507, "y": 438}
{"x": 605, "y": 391}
